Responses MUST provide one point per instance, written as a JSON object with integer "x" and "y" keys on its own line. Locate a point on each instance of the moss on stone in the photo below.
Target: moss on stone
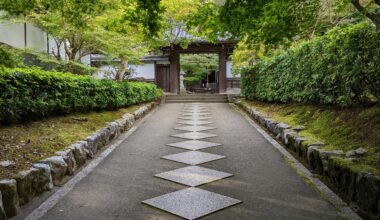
{"x": 340, "y": 128}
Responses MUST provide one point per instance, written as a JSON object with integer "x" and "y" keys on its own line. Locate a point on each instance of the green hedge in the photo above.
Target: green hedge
{"x": 339, "y": 68}
{"x": 33, "y": 93}
{"x": 12, "y": 57}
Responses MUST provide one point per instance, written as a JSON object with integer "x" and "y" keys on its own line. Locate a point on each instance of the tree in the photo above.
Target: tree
{"x": 175, "y": 30}
{"x": 121, "y": 40}
{"x": 72, "y": 23}
{"x": 18, "y": 7}
{"x": 371, "y": 10}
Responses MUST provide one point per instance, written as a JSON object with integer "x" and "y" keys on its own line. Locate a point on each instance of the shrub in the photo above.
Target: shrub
{"x": 12, "y": 57}
{"x": 339, "y": 68}
{"x": 32, "y": 93}
{"x": 76, "y": 68}
{"x": 8, "y": 57}
{"x": 47, "y": 62}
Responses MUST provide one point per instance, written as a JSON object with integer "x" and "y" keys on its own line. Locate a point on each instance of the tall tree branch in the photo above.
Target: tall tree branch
{"x": 375, "y": 18}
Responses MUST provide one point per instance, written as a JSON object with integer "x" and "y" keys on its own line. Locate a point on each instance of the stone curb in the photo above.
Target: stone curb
{"x": 52, "y": 171}
{"x": 362, "y": 189}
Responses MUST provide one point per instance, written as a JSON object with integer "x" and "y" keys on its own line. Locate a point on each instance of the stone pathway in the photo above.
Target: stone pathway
{"x": 193, "y": 203}
{"x": 193, "y": 178}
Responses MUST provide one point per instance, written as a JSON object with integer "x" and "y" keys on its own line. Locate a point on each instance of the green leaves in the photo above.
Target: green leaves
{"x": 33, "y": 93}
{"x": 340, "y": 68}
{"x": 269, "y": 22}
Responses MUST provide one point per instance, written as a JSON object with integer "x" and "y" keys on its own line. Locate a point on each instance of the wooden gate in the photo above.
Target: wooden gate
{"x": 163, "y": 77}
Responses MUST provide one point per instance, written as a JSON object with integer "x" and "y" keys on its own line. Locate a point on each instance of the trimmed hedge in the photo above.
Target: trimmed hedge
{"x": 339, "y": 68}
{"x": 33, "y": 93}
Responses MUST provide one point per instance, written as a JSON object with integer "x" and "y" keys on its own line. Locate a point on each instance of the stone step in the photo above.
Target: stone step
{"x": 192, "y": 101}
{"x": 212, "y": 98}
{"x": 197, "y": 98}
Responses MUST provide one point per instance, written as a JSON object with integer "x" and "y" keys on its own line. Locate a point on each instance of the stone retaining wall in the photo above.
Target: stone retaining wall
{"x": 53, "y": 171}
{"x": 360, "y": 188}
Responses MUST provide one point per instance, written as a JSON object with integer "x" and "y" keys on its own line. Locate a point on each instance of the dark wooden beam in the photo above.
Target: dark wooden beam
{"x": 222, "y": 71}
{"x": 174, "y": 71}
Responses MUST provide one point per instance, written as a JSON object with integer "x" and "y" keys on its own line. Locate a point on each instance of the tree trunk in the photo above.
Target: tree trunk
{"x": 121, "y": 71}
{"x": 374, "y": 17}
{"x": 58, "y": 53}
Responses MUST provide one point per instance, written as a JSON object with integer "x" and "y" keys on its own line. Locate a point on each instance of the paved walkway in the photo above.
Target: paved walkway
{"x": 246, "y": 176}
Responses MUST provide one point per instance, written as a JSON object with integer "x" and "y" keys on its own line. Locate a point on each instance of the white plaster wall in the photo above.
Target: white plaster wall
{"x": 86, "y": 60}
{"x": 12, "y": 34}
{"x": 36, "y": 38}
{"x": 145, "y": 70}
{"x": 105, "y": 72}
{"x": 229, "y": 70}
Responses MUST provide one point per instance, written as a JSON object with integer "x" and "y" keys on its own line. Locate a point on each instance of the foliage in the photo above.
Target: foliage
{"x": 198, "y": 66}
{"x": 71, "y": 24}
{"x": 370, "y": 9}
{"x": 32, "y": 93}
{"x": 269, "y": 22}
{"x": 175, "y": 29}
{"x": 124, "y": 41}
{"x": 18, "y": 7}
{"x": 340, "y": 68}
{"x": 76, "y": 68}
{"x": 12, "y": 57}
{"x": 9, "y": 57}
{"x": 74, "y": 25}
{"x": 147, "y": 13}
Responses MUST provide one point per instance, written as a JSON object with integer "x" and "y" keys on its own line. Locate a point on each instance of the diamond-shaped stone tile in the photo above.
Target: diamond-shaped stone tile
{"x": 194, "y": 122}
{"x": 194, "y": 118}
{"x": 193, "y": 157}
{"x": 195, "y": 103}
{"x": 195, "y": 114}
{"x": 194, "y": 135}
{"x": 193, "y": 144}
{"x": 193, "y": 175}
{"x": 195, "y": 108}
{"x": 194, "y": 128}
{"x": 196, "y": 111}
{"x": 191, "y": 203}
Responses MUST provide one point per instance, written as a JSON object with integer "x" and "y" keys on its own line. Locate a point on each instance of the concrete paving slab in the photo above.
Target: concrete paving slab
{"x": 195, "y": 122}
{"x": 193, "y": 157}
{"x": 195, "y": 111}
{"x": 195, "y": 114}
{"x": 192, "y": 203}
{"x": 193, "y": 144}
{"x": 194, "y": 128}
{"x": 201, "y": 118}
{"x": 194, "y": 135}
{"x": 193, "y": 175}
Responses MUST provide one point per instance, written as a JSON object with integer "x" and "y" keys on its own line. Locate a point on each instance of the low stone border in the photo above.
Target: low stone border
{"x": 53, "y": 171}
{"x": 361, "y": 188}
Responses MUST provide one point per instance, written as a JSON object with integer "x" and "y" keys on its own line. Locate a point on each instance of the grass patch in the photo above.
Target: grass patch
{"x": 28, "y": 143}
{"x": 340, "y": 128}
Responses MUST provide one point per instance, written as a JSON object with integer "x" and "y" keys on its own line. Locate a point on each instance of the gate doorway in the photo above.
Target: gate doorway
{"x": 223, "y": 49}
{"x": 200, "y": 71}
{"x": 162, "y": 76}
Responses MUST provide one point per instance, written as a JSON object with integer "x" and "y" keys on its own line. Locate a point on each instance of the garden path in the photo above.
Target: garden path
{"x": 230, "y": 172}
